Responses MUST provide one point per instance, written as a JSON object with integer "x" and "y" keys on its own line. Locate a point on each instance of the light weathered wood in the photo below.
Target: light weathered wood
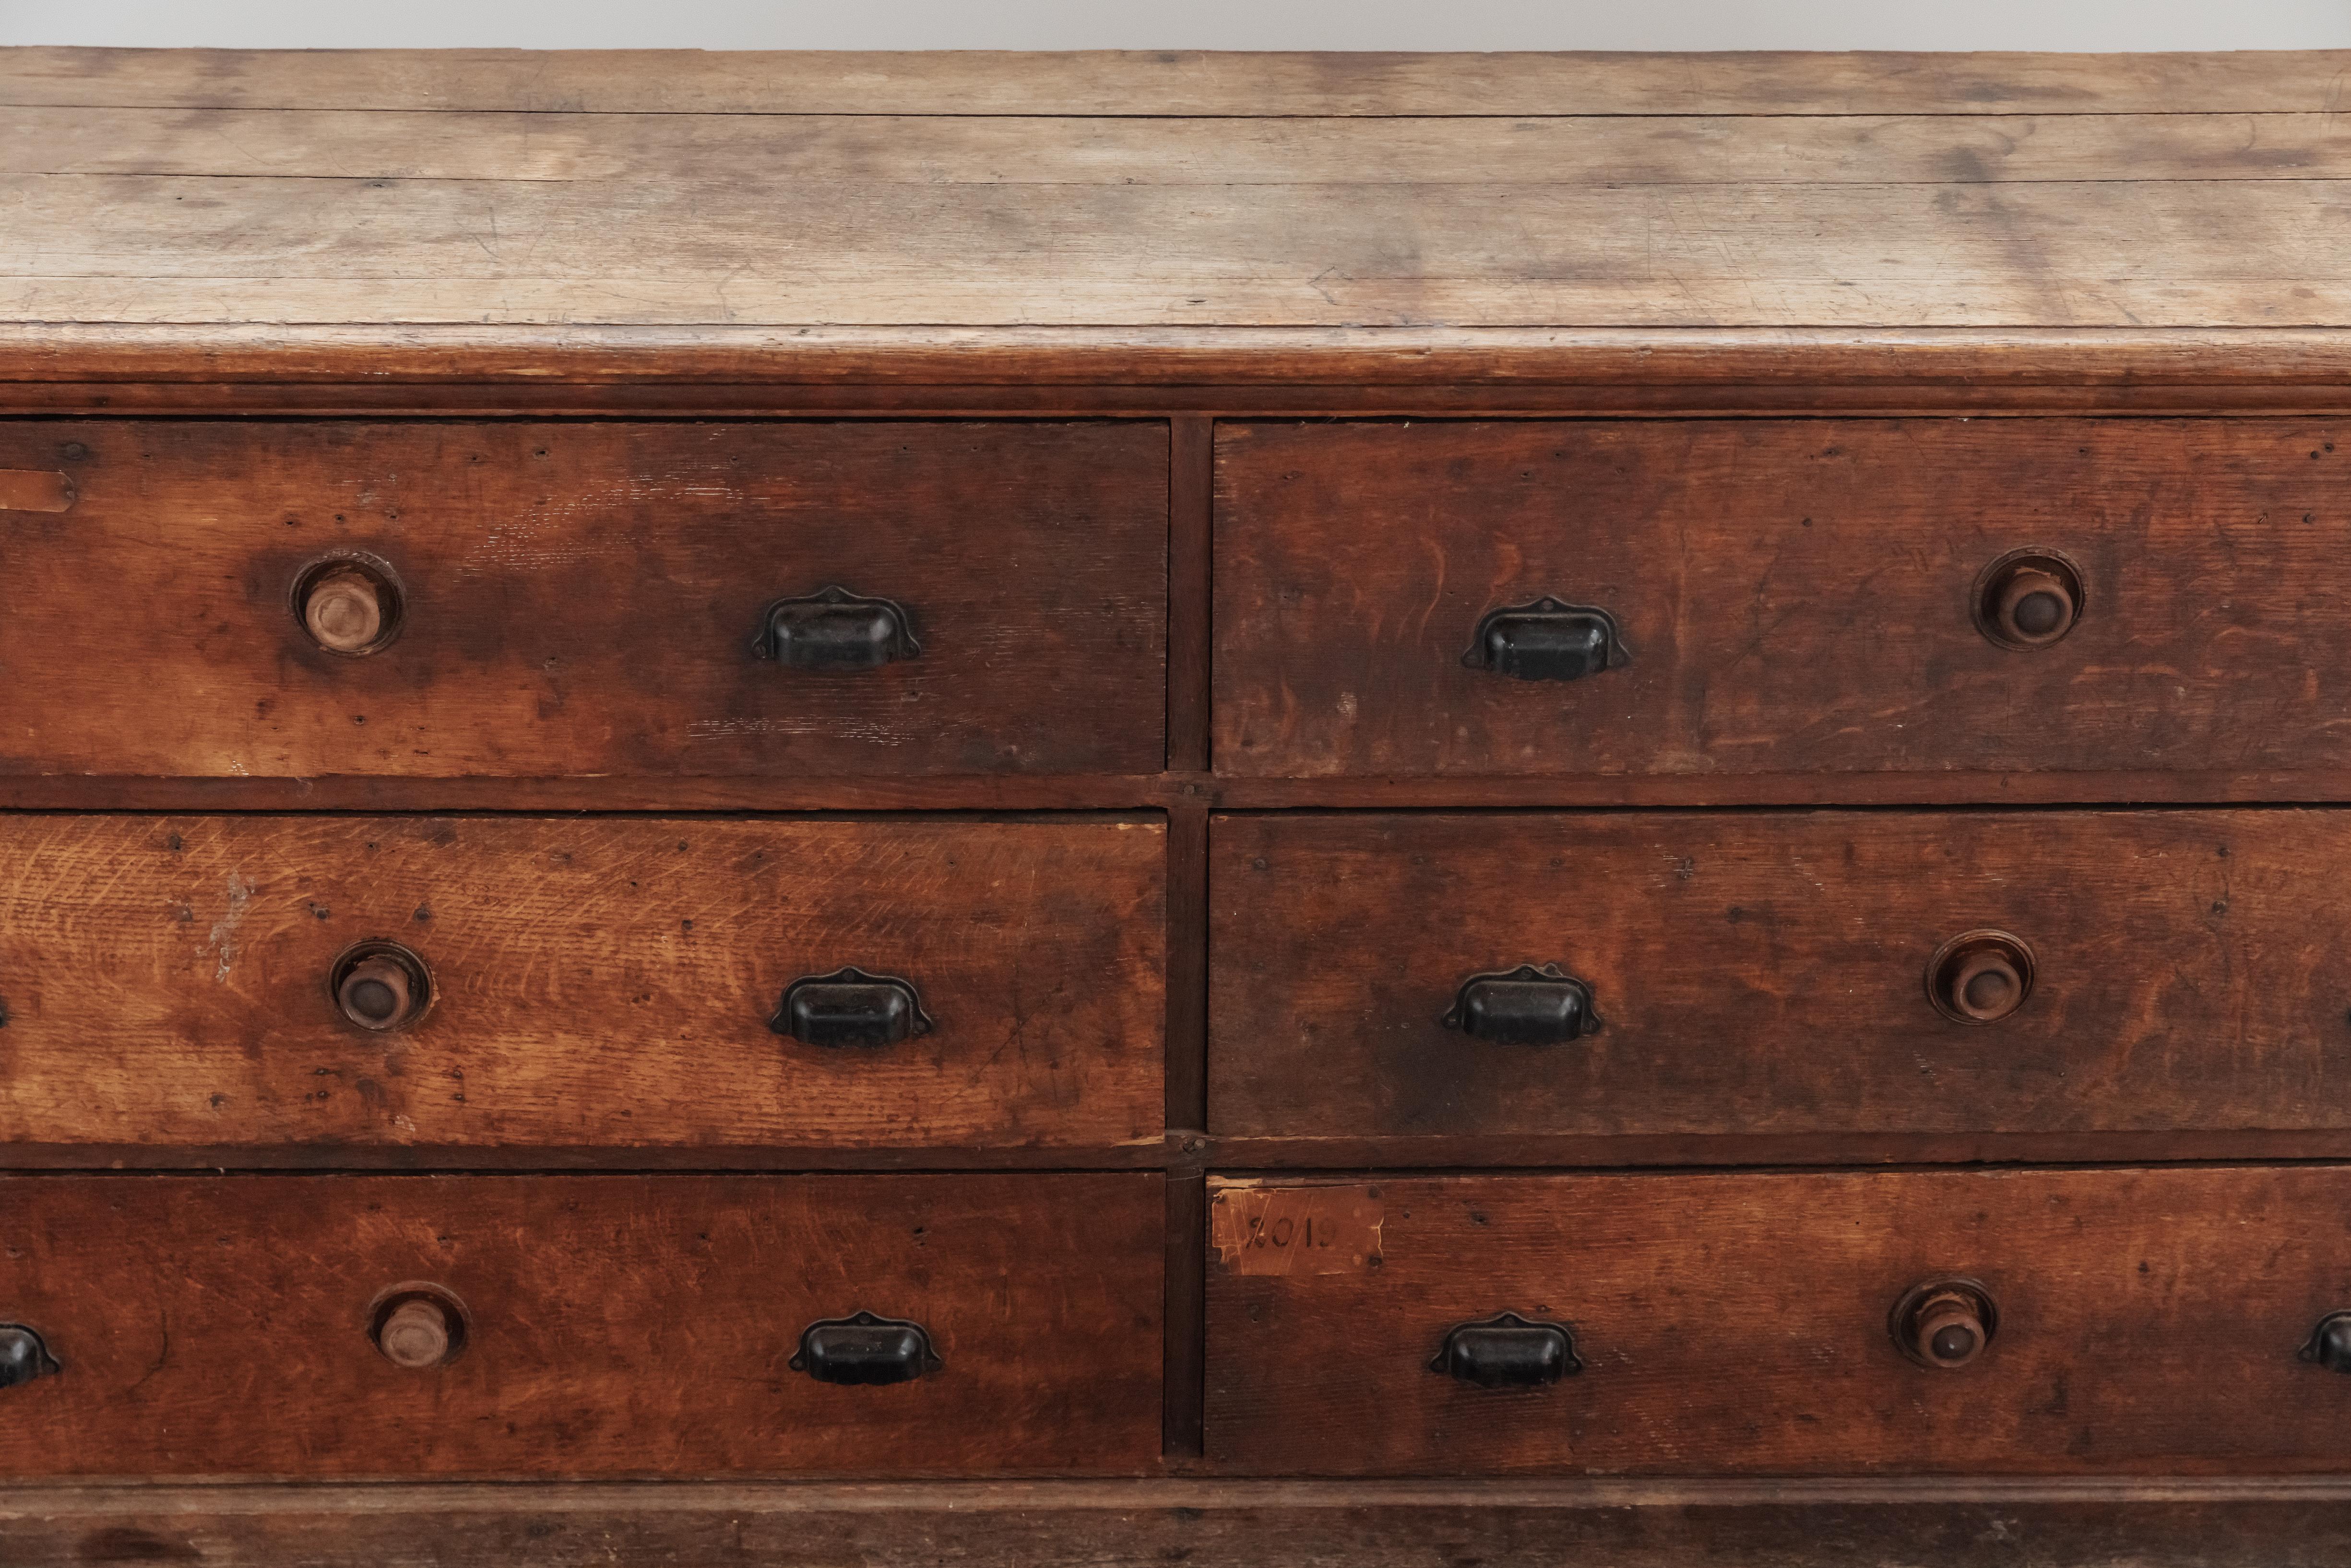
{"x": 603, "y": 982}
{"x": 1569, "y": 150}
{"x": 1470, "y": 193}
{"x": 1150, "y": 1523}
{"x": 1174, "y": 81}
{"x": 690, "y": 250}
{"x": 616, "y": 1327}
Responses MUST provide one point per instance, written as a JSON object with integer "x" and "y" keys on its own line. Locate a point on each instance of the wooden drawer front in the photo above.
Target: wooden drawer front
{"x": 2142, "y": 1319}
{"x": 591, "y": 981}
{"x": 611, "y": 1325}
{"x": 1791, "y": 595}
{"x": 585, "y": 599}
{"x": 1768, "y": 972}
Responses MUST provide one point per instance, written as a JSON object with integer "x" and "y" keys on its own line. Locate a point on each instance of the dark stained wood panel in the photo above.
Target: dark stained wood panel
{"x": 1765, "y": 973}
{"x": 1794, "y": 596}
{"x": 1160, "y": 791}
{"x": 554, "y": 309}
{"x": 598, "y": 982}
{"x": 1233, "y": 1523}
{"x": 583, "y": 599}
{"x": 617, "y": 1325}
{"x": 2149, "y": 1323}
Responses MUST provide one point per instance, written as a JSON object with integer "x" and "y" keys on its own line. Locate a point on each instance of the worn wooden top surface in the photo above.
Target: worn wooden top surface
{"x": 1143, "y": 201}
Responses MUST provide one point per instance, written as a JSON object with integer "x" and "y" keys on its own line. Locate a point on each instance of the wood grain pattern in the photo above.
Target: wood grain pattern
{"x": 1293, "y": 1151}
{"x": 1175, "y": 81}
{"x": 1129, "y": 1524}
{"x": 604, "y": 983}
{"x": 1764, "y": 974}
{"x": 1187, "y": 1152}
{"x": 2149, "y": 1322}
{"x": 1796, "y": 596}
{"x": 240, "y": 191}
{"x": 345, "y": 145}
{"x": 583, "y": 599}
{"x": 145, "y": 248}
{"x": 1187, "y": 1280}
{"x": 1233, "y": 372}
{"x": 619, "y": 1325}
{"x": 1172, "y": 791}
{"x": 474, "y": 247}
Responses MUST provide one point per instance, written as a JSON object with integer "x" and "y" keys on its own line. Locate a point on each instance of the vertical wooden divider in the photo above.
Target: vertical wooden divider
{"x": 1190, "y": 566}
{"x": 1189, "y": 562}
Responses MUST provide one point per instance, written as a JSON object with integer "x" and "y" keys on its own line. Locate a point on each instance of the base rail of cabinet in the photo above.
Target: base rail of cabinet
{"x": 2146, "y": 1523}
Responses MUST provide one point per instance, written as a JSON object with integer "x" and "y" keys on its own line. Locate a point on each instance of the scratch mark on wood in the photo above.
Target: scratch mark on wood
{"x": 222, "y": 940}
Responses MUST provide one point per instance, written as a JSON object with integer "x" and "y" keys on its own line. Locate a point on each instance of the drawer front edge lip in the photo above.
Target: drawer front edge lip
{"x": 1137, "y": 795}
{"x": 1112, "y": 1493}
{"x": 1270, "y": 1157}
{"x": 426, "y": 1161}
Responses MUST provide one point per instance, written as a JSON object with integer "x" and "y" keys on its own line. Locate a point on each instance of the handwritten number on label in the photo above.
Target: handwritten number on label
{"x": 1284, "y": 1230}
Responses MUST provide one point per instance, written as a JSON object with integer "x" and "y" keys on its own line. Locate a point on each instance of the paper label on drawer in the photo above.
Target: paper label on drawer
{"x": 35, "y": 490}
{"x": 1295, "y": 1229}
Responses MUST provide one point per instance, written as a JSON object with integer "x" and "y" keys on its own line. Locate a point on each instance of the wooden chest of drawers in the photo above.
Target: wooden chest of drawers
{"x": 1127, "y": 809}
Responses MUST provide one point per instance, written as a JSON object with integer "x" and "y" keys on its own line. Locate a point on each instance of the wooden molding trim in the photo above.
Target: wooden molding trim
{"x": 53, "y": 368}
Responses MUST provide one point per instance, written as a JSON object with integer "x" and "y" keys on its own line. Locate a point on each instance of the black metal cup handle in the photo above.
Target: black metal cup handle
{"x": 866, "y": 1350}
{"x": 850, "y": 1007}
{"x": 1549, "y": 640}
{"x": 24, "y": 1356}
{"x": 1525, "y": 1006}
{"x": 2329, "y": 1345}
{"x": 834, "y": 629}
{"x": 1508, "y": 1352}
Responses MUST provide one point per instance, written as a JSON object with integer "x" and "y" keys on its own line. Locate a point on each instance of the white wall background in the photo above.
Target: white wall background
{"x": 1189, "y": 23}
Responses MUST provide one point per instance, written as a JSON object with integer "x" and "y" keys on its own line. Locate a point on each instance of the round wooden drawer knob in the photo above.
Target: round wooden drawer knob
{"x": 1980, "y": 976}
{"x": 1945, "y": 1324}
{"x": 348, "y": 607}
{"x": 2028, "y": 600}
{"x": 381, "y": 987}
{"x": 419, "y": 1330}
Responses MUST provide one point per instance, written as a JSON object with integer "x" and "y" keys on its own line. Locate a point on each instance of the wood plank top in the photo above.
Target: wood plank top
{"x": 158, "y": 204}
{"x": 1179, "y": 81}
